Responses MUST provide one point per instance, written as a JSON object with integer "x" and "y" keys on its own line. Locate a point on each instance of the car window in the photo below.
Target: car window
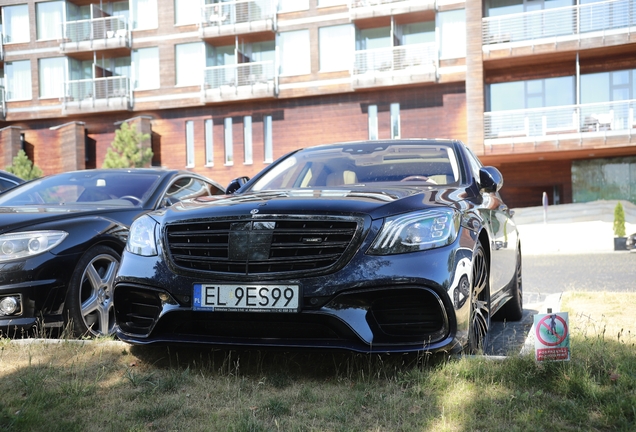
{"x": 345, "y": 165}
{"x": 87, "y": 187}
{"x": 190, "y": 187}
{"x": 6, "y": 184}
{"x": 475, "y": 164}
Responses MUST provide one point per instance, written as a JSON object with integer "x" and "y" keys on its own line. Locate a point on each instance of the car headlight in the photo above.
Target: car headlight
{"x": 416, "y": 231}
{"x": 141, "y": 240}
{"x": 29, "y": 243}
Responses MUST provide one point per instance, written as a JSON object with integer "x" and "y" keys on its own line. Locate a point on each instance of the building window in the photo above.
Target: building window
{"x": 18, "y": 75}
{"x": 292, "y": 5}
{"x": 50, "y": 16}
{"x": 229, "y": 144}
{"x": 144, "y": 14}
{"x": 294, "y": 52}
{"x": 247, "y": 139}
{"x": 209, "y": 142}
{"x": 548, "y": 92}
{"x": 146, "y": 68}
{"x": 452, "y": 26}
{"x": 15, "y": 21}
{"x": 189, "y": 144}
{"x": 189, "y": 63}
{"x": 336, "y": 44}
{"x": 52, "y": 74}
{"x": 395, "y": 121}
{"x": 268, "y": 139}
{"x": 373, "y": 122}
{"x": 187, "y": 12}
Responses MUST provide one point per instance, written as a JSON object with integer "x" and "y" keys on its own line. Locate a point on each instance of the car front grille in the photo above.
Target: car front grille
{"x": 136, "y": 309}
{"x": 276, "y": 245}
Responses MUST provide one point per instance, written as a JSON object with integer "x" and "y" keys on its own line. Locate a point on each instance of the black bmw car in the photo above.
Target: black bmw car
{"x": 61, "y": 239}
{"x": 380, "y": 246}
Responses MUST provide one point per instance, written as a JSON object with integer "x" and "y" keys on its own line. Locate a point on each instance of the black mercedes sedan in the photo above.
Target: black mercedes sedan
{"x": 379, "y": 246}
{"x": 61, "y": 239}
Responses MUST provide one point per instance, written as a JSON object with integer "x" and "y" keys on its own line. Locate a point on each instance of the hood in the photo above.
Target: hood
{"x": 14, "y": 218}
{"x": 377, "y": 203}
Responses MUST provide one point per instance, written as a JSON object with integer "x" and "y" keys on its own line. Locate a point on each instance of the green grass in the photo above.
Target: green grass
{"x": 108, "y": 386}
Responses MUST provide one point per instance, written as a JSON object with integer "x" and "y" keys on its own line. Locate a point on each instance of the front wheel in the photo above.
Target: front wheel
{"x": 88, "y": 310}
{"x": 479, "y": 303}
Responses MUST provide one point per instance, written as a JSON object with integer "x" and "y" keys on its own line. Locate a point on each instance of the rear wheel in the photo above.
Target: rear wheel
{"x": 513, "y": 309}
{"x": 479, "y": 303}
{"x": 89, "y": 300}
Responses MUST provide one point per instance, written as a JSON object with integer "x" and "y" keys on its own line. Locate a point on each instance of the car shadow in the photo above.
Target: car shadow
{"x": 509, "y": 337}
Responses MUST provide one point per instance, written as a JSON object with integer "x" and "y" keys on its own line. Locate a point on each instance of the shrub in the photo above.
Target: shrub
{"x": 619, "y": 220}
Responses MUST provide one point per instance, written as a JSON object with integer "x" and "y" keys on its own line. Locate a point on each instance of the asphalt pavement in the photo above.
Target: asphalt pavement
{"x": 569, "y": 247}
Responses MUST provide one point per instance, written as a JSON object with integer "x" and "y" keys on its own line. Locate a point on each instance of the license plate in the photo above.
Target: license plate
{"x": 246, "y": 298}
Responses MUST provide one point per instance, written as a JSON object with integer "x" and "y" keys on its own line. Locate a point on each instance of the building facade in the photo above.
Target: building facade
{"x": 543, "y": 89}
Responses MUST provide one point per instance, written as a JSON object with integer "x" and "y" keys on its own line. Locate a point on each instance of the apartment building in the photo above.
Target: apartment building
{"x": 543, "y": 89}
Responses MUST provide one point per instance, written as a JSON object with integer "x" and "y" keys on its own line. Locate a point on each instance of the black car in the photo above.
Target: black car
{"x": 630, "y": 242}
{"x": 380, "y": 246}
{"x": 8, "y": 180}
{"x": 61, "y": 239}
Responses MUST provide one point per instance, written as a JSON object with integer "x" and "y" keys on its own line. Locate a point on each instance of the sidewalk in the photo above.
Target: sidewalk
{"x": 571, "y": 228}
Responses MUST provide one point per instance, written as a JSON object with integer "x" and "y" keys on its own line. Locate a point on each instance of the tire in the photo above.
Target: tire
{"x": 513, "y": 309}
{"x": 88, "y": 310}
{"x": 479, "y": 324}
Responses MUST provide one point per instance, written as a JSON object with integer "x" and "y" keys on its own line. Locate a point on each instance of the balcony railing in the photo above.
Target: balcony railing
{"x": 564, "y": 22}
{"x": 96, "y": 89}
{"x": 3, "y": 104}
{"x": 370, "y": 3}
{"x": 607, "y": 118}
{"x": 394, "y": 59}
{"x": 111, "y": 30}
{"x": 238, "y": 12}
{"x": 239, "y": 75}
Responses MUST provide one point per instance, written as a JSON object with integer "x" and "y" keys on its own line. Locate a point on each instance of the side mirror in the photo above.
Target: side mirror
{"x": 236, "y": 184}
{"x": 490, "y": 179}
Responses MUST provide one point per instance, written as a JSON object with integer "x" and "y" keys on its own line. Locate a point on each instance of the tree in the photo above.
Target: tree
{"x": 619, "y": 220}
{"x": 125, "y": 151}
{"x": 23, "y": 167}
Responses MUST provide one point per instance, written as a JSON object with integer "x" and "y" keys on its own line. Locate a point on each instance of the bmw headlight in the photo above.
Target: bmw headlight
{"x": 416, "y": 231}
{"x": 142, "y": 238}
{"x": 29, "y": 243}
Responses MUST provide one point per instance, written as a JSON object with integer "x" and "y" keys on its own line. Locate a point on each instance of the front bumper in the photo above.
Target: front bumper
{"x": 400, "y": 303}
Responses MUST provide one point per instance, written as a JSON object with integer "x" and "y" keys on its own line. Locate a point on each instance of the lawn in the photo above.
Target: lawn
{"x": 107, "y": 385}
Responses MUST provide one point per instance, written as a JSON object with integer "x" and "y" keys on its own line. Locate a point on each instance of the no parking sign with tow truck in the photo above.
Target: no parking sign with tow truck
{"x": 552, "y": 337}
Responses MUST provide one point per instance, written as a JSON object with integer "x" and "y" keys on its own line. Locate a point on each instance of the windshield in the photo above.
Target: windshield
{"x": 116, "y": 188}
{"x": 363, "y": 163}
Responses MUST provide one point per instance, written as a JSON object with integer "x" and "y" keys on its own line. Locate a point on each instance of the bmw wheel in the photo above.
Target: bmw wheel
{"x": 89, "y": 299}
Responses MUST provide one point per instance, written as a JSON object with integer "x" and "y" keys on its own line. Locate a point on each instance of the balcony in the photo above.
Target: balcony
{"x": 604, "y": 121}
{"x": 95, "y": 34}
{"x": 97, "y": 95}
{"x": 239, "y": 82}
{"x": 363, "y": 9}
{"x": 407, "y": 64}
{"x": 565, "y": 28}
{"x": 238, "y": 17}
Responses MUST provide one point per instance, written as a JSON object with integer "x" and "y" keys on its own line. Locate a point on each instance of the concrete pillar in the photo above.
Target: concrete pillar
{"x": 10, "y": 145}
{"x": 474, "y": 77}
{"x": 72, "y": 146}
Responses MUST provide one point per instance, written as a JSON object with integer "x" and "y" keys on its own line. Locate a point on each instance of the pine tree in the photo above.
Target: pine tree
{"x": 125, "y": 151}
{"x": 619, "y": 220}
{"x": 23, "y": 167}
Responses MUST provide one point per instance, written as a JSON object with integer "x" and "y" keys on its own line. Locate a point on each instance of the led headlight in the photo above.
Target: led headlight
{"x": 416, "y": 231}
{"x": 141, "y": 240}
{"x": 29, "y": 243}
